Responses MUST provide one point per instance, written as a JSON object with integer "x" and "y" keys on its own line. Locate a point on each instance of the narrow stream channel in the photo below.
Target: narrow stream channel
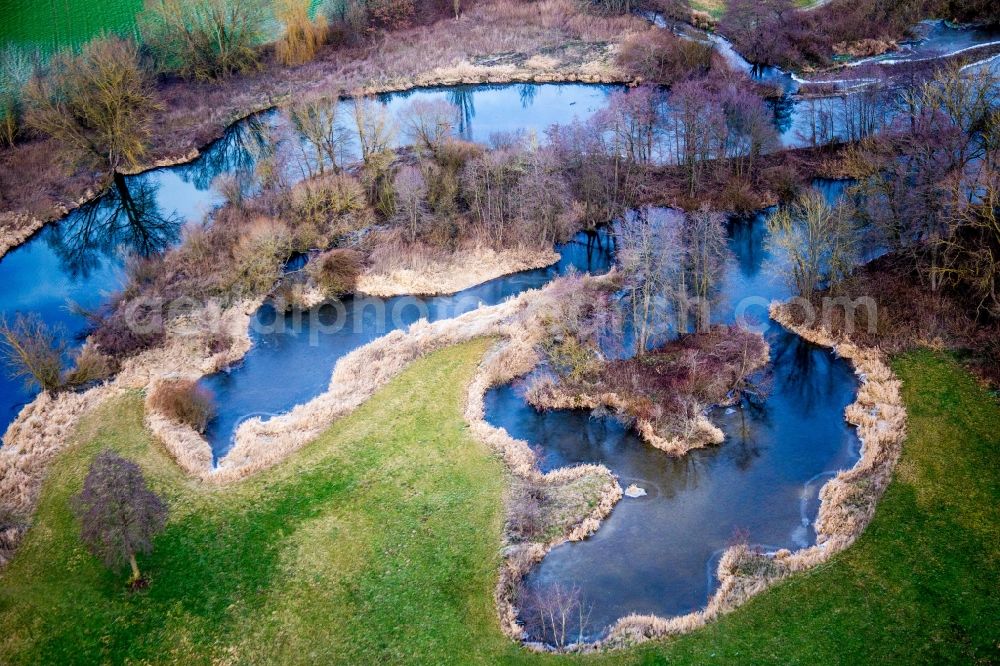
{"x": 652, "y": 553}
{"x": 658, "y": 553}
{"x": 80, "y": 260}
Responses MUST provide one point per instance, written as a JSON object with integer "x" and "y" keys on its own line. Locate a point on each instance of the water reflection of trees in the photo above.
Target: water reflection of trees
{"x": 238, "y": 151}
{"x": 126, "y": 220}
{"x": 784, "y": 112}
{"x": 462, "y": 97}
{"x": 527, "y": 92}
{"x": 746, "y": 240}
{"x": 744, "y": 445}
{"x": 802, "y": 371}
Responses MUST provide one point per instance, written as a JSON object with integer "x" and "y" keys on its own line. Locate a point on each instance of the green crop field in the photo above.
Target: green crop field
{"x": 50, "y": 24}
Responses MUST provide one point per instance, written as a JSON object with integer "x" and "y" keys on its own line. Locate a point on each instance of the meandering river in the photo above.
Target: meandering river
{"x": 653, "y": 554}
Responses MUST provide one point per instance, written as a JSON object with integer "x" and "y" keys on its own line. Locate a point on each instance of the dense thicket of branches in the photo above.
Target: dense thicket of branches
{"x": 659, "y": 56}
{"x": 667, "y": 387}
{"x": 772, "y": 31}
{"x": 820, "y": 241}
{"x": 96, "y": 105}
{"x": 928, "y": 187}
{"x": 204, "y": 39}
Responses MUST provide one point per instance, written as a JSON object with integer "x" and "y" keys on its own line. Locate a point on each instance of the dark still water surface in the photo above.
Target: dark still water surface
{"x": 291, "y": 363}
{"x": 81, "y": 259}
{"x": 658, "y": 553}
{"x": 653, "y": 554}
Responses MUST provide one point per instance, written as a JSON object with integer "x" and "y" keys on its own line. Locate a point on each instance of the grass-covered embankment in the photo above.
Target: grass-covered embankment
{"x": 379, "y": 543}
{"x": 376, "y": 542}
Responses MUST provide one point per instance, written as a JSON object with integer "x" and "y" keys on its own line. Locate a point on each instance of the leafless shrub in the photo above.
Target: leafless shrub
{"x": 303, "y": 36}
{"x": 204, "y": 39}
{"x": 184, "y": 401}
{"x": 661, "y": 57}
{"x": 390, "y": 14}
{"x": 229, "y": 186}
{"x": 517, "y": 195}
{"x": 33, "y": 351}
{"x": 524, "y": 511}
{"x": 329, "y": 206}
{"x": 442, "y": 174}
{"x": 127, "y": 330}
{"x": 89, "y": 365}
{"x": 336, "y": 271}
{"x": 97, "y": 104}
{"x": 258, "y": 257}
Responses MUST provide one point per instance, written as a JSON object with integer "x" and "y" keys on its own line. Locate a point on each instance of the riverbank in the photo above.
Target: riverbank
{"x": 44, "y": 428}
{"x": 452, "y": 273}
{"x": 384, "y": 520}
{"x": 494, "y": 42}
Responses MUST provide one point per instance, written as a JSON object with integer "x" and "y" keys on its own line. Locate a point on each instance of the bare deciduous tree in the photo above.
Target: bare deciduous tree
{"x": 321, "y": 132}
{"x": 376, "y": 132}
{"x": 695, "y": 126}
{"x": 97, "y": 104}
{"x": 972, "y": 249}
{"x": 649, "y": 253}
{"x": 703, "y": 239}
{"x": 489, "y": 184}
{"x": 819, "y": 241}
{"x": 428, "y": 124}
{"x": 411, "y": 191}
{"x": 557, "y": 614}
{"x": 119, "y": 515}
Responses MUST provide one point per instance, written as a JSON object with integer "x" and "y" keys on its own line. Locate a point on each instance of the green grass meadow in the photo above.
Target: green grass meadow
{"x": 379, "y": 543}
{"x": 51, "y": 24}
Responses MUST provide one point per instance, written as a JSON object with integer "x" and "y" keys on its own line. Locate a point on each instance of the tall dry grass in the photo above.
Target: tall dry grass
{"x": 303, "y": 36}
{"x": 847, "y": 502}
{"x": 513, "y": 356}
{"x": 423, "y": 270}
{"x": 46, "y": 425}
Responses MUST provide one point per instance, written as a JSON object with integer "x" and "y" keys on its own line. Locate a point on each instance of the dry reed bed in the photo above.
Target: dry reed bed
{"x": 260, "y": 444}
{"x": 700, "y": 432}
{"x": 457, "y": 271}
{"x": 45, "y": 426}
{"x": 847, "y": 502}
{"x": 513, "y": 357}
{"x": 15, "y": 228}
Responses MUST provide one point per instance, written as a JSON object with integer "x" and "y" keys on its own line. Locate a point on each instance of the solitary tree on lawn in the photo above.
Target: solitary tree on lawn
{"x": 118, "y": 512}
